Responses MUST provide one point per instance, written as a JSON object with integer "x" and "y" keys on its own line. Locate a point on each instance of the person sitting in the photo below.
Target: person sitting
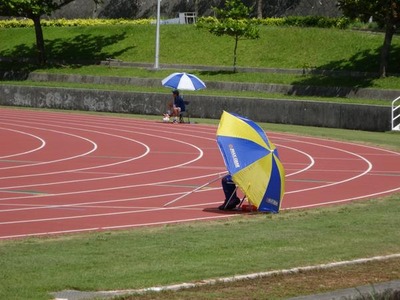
{"x": 231, "y": 198}
{"x": 178, "y": 106}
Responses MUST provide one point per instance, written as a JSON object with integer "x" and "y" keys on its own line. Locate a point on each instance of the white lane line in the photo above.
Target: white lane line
{"x": 135, "y": 210}
{"x": 364, "y": 196}
{"x": 198, "y": 150}
{"x": 362, "y": 173}
{"x": 118, "y": 227}
{"x": 42, "y": 144}
{"x": 200, "y": 155}
{"x": 180, "y": 180}
{"x": 349, "y": 152}
{"x": 94, "y": 147}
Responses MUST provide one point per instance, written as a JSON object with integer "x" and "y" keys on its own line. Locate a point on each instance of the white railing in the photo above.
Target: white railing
{"x": 396, "y": 114}
{"x": 187, "y": 18}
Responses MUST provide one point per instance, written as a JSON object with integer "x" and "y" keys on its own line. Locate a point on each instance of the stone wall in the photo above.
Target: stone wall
{"x": 308, "y": 113}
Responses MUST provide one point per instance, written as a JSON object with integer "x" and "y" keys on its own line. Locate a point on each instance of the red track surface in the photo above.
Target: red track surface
{"x": 65, "y": 172}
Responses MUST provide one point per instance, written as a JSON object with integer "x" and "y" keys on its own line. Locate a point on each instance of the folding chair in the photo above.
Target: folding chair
{"x": 184, "y": 113}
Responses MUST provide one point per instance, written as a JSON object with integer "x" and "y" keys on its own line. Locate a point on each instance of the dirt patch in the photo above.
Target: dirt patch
{"x": 293, "y": 285}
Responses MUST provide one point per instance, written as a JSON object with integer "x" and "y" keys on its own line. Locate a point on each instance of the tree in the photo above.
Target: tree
{"x": 385, "y": 12}
{"x": 232, "y": 20}
{"x": 259, "y": 9}
{"x": 34, "y": 10}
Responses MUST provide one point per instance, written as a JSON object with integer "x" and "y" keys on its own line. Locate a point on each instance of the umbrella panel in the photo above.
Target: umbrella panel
{"x": 235, "y": 152}
{"x": 183, "y": 81}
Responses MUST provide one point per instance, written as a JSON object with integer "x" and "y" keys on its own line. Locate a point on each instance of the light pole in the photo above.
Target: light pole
{"x": 157, "y": 36}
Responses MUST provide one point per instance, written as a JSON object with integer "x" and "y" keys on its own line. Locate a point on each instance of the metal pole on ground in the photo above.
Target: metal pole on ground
{"x": 196, "y": 189}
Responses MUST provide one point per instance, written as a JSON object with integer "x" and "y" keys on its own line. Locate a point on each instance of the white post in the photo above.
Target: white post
{"x": 157, "y": 36}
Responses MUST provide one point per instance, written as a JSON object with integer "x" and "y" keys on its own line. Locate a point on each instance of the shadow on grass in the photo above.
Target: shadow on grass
{"x": 217, "y": 72}
{"x": 337, "y": 78}
{"x": 345, "y": 76}
{"x": 83, "y": 49}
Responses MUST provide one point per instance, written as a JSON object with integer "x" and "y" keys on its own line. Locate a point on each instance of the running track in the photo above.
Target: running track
{"x": 69, "y": 172}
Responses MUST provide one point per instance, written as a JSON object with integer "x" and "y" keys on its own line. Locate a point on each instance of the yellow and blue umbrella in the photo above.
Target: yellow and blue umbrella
{"x": 252, "y": 160}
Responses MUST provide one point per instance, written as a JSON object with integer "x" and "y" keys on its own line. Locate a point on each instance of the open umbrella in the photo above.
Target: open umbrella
{"x": 252, "y": 160}
{"x": 183, "y": 81}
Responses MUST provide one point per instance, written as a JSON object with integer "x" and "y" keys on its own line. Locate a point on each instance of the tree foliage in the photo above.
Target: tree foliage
{"x": 232, "y": 20}
{"x": 28, "y": 8}
{"x": 34, "y": 10}
{"x": 385, "y": 12}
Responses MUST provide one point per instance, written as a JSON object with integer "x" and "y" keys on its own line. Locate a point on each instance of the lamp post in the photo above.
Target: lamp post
{"x": 156, "y": 66}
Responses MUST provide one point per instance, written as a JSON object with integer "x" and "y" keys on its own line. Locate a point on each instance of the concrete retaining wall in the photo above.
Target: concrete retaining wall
{"x": 309, "y": 113}
{"x": 299, "y": 90}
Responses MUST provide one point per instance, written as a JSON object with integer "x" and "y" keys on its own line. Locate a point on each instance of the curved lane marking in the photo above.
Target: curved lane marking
{"x": 94, "y": 147}
{"x": 200, "y": 155}
{"x": 366, "y": 171}
{"x": 116, "y": 188}
{"x": 42, "y": 144}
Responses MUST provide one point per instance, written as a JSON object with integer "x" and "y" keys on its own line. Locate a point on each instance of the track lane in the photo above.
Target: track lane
{"x": 137, "y": 166}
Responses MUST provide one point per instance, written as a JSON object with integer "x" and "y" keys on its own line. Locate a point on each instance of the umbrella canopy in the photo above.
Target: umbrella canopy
{"x": 183, "y": 81}
{"x": 252, "y": 160}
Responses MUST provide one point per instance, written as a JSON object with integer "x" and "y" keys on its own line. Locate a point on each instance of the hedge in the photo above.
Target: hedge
{"x": 307, "y": 21}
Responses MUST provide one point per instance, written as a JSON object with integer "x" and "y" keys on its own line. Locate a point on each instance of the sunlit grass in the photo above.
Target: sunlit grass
{"x": 189, "y": 252}
{"x": 253, "y": 77}
{"x": 278, "y": 47}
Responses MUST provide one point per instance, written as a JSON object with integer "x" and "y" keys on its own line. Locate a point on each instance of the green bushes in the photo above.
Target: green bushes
{"x": 14, "y": 23}
{"x": 309, "y": 21}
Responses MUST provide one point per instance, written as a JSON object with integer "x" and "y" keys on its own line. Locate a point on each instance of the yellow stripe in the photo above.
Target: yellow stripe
{"x": 232, "y": 126}
{"x": 254, "y": 179}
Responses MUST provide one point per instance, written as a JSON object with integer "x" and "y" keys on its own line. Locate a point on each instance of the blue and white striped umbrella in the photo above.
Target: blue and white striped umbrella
{"x": 183, "y": 81}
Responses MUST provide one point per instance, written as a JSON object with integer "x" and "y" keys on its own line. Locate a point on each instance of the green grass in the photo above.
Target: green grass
{"x": 189, "y": 252}
{"x": 278, "y": 47}
{"x": 244, "y": 77}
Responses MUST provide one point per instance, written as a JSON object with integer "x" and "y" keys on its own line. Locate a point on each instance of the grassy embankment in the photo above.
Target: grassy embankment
{"x": 288, "y": 48}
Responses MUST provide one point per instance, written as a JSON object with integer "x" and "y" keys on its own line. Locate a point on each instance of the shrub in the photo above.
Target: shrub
{"x": 307, "y": 21}
{"x": 14, "y": 23}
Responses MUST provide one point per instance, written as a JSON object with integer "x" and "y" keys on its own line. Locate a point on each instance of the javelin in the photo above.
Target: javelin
{"x": 192, "y": 191}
